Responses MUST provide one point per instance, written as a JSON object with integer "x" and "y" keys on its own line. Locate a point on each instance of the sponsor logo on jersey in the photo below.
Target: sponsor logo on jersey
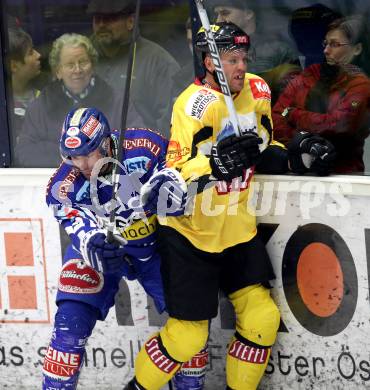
{"x": 260, "y": 90}
{"x": 175, "y": 152}
{"x": 64, "y": 187}
{"x": 140, "y": 229}
{"x": 61, "y": 365}
{"x": 138, "y": 164}
{"x": 72, "y": 142}
{"x": 199, "y": 102}
{"x": 79, "y": 278}
{"x": 249, "y": 354}
{"x": 91, "y": 126}
{"x": 72, "y": 131}
{"x": 158, "y": 358}
{"x": 145, "y": 143}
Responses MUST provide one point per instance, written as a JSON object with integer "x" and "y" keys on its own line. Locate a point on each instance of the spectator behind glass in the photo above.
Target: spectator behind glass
{"x": 312, "y": 22}
{"x": 185, "y": 75}
{"x": 72, "y": 60}
{"x": 267, "y": 51}
{"x": 331, "y": 99}
{"x": 113, "y": 22}
{"x": 23, "y": 66}
{"x": 269, "y": 57}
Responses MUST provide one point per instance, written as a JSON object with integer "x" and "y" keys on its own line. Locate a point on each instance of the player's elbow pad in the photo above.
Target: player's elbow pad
{"x": 274, "y": 160}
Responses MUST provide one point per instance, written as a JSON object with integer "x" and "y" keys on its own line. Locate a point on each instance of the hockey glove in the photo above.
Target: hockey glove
{"x": 230, "y": 156}
{"x": 164, "y": 193}
{"x": 106, "y": 257}
{"x": 311, "y": 153}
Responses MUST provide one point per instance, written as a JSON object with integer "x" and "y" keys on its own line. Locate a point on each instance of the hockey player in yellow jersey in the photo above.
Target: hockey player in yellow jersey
{"x": 214, "y": 246}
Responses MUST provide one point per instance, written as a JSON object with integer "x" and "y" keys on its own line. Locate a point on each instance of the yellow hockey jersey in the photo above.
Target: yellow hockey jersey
{"x": 220, "y": 217}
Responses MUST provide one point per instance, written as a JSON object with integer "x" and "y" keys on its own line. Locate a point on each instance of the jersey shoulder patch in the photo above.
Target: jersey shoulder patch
{"x": 259, "y": 88}
{"x": 199, "y": 101}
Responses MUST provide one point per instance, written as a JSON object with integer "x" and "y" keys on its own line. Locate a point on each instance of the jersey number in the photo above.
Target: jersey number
{"x": 223, "y": 187}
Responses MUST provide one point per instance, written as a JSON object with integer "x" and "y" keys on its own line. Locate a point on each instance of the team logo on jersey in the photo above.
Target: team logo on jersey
{"x": 72, "y": 131}
{"x": 227, "y": 130}
{"x": 248, "y": 122}
{"x": 138, "y": 164}
{"x": 79, "y": 278}
{"x": 199, "y": 102}
{"x": 91, "y": 126}
{"x": 72, "y": 142}
{"x": 260, "y": 90}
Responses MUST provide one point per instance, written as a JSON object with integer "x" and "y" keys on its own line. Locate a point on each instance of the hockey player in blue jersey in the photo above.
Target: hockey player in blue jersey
{"x": 80, "y": 193}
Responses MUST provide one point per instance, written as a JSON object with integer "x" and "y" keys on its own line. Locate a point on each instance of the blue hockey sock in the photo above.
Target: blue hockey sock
{"x": 74, "y": 322}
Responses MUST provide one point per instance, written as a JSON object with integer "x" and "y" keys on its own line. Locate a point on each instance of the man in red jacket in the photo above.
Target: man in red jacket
{"x": 331, "y": 99}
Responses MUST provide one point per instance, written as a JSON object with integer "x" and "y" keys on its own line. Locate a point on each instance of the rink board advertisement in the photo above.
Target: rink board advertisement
{"x": 317, "y": 232}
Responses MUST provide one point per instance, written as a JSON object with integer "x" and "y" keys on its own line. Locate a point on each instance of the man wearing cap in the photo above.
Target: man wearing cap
{"x": 267, "y": 52}
{"x": 113, "y": 22}
{"x": 271, "y": 58}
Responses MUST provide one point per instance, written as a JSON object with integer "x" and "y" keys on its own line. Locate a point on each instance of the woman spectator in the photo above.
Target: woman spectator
{"x": 72, "y": 60}
{"x": 331, "y": 99}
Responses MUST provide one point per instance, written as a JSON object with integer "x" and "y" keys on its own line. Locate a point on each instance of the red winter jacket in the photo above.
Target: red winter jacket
{"x": 346, "y": 123}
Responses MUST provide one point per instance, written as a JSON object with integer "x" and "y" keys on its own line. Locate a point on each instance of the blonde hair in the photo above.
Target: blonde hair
{"x": 74, "y": 40}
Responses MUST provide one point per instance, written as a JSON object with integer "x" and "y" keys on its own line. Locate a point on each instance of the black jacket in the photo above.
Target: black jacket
{"x": 38, "y": 144}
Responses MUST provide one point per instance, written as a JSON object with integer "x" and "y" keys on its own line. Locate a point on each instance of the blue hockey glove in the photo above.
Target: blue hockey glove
{"x": 311, "y": 153}
{"x": 103, "y": 256}
{"x": 164, "y": 193}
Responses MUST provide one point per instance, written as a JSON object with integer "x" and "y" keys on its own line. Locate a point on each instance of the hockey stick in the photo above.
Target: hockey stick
{"x": 126, "y": 98}
{"x": 215, "y": 55}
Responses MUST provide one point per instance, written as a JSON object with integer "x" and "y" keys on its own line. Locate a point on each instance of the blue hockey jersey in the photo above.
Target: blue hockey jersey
{"x": 83, "y": 206}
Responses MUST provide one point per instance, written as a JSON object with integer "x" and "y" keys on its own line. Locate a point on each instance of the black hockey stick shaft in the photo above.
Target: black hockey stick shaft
{"x": 126, "y": 99}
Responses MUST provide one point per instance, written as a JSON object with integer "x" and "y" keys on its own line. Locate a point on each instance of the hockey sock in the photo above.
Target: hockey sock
{"x": 74, "y": 322}
{"x": 192, "y": 374}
